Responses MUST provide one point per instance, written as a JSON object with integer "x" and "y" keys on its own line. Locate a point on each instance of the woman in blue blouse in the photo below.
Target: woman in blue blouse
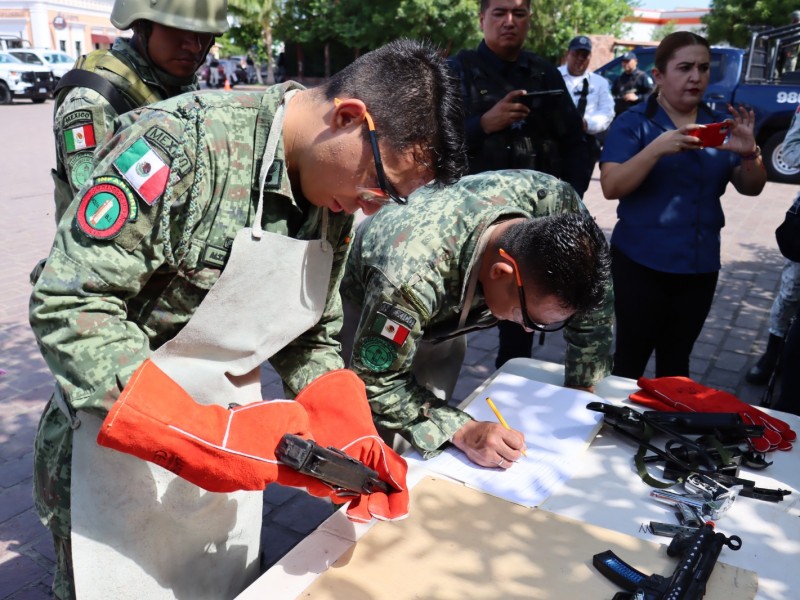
{"x": 665, "y": 247}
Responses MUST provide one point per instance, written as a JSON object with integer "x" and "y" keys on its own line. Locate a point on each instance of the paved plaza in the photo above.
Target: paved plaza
{"x": 734, "y": 335}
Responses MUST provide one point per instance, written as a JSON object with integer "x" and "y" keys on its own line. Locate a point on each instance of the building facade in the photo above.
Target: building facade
{"x": 72, "y": 26}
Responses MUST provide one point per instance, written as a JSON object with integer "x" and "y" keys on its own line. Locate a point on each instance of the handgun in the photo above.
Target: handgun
{"x": 330, "y": 465}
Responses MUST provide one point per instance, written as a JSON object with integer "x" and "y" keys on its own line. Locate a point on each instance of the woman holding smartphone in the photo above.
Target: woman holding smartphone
{"x": 665, "y": 247}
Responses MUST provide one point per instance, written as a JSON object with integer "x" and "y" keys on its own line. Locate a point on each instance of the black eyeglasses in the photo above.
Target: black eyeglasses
{"x": 385, "y": 186}
{"x": 526, "y": 319}
{"x": 385, "y": 193}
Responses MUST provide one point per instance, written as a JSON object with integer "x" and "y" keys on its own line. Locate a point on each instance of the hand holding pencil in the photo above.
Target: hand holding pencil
{"x": 489, "y": 443}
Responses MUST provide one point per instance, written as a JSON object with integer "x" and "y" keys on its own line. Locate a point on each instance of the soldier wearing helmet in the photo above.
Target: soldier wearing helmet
{"x": 170, "y": 41}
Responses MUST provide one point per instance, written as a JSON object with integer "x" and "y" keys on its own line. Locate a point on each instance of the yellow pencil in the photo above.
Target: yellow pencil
{"x": 499, "y": 417}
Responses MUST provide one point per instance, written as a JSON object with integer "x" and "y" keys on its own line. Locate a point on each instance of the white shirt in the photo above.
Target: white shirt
{"x": 599, "y": 102}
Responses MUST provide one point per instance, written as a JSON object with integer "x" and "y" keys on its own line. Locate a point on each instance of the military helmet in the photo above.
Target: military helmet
{"x": 202, "y": 16}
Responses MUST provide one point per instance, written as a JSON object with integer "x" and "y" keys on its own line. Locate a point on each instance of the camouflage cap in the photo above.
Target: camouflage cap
{"x": 202, "y": 16}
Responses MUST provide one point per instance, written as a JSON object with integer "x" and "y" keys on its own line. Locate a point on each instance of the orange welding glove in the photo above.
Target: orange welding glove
{"x": 215, "y": 448}
{"x": 339, "y": 413}
{"x": 684, "y": 394}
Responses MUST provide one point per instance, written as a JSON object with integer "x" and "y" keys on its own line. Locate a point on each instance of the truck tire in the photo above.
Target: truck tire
{"x": 5, "y": 93}
{"x": 777, "y": 168}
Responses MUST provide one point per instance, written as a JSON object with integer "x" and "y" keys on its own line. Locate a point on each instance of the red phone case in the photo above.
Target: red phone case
{"x": 713, "y": 134}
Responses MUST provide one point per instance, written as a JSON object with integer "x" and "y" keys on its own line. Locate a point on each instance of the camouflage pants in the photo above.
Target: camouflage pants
{"x": 64, "y": 582}
{"x": 51, "y": 491}
{"x": 787, "y": 302}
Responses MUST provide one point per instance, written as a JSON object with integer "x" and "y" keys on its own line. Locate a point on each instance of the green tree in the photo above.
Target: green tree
{"x": 732, "y": 21}
{"x": 555, "y": 22}
{"x": 251, "y": 32}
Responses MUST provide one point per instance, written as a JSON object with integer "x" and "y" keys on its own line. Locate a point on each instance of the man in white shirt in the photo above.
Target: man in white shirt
{"x": 590, "y": 92}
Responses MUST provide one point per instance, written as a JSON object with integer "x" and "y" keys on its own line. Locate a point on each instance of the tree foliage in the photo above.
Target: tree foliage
{"x": 452, "y": 24}
{"x": 556, "y": 22}
{"x": 732, "y": 21}
{"x": 364, "y": 25}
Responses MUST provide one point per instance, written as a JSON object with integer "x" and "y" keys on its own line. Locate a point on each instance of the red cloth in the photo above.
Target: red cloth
{"x": 339, "y": 413}
{"x": 684, "y": 394}
{"x": 215, "y": 448}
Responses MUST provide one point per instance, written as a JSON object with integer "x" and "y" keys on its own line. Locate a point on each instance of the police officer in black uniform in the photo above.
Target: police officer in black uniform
{"x": 508, "y": 128}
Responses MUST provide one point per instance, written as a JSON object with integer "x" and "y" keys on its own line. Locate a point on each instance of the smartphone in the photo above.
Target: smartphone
{"x": 713, "y": 134}
{"x": 528, "y": 97}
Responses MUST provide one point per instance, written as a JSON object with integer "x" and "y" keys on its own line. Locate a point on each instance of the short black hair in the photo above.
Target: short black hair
{"x": 485, "y": 4}
{"x": 565, "y": 255}
{"x": 415, "y": 101}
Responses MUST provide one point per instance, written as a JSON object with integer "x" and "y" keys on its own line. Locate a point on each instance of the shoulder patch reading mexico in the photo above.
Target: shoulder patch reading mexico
{"x": 397, "y": 314}
{"x": 388, "y": 326}
{"x": 376, "y": 353}
{"x": 79, "y": 138}
{"x": 105, "y": 208}
{"x": 144, "y": 170}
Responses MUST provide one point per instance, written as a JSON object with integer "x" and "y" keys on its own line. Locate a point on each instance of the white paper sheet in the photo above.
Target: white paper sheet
{"x": 557, "y": 427}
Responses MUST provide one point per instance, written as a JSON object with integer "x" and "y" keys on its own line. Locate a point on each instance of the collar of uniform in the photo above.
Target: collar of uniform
{"x": 498, "y": 63}
{"x": 654, "y": 112}
{"x": 124, "y": 50}
{"x": 305, "y": 218}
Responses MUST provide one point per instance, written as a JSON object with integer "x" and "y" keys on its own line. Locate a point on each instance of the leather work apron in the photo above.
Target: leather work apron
{"x": 139, "y": 531}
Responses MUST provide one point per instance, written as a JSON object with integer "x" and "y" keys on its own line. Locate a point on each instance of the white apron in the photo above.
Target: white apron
{"x": 138, "y": 531}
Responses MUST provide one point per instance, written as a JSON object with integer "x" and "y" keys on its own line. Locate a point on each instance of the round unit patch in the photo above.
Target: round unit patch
{"x": 377, "y": 354}
{"x": 104, "y": 208}
{"x": 80, "y": 167}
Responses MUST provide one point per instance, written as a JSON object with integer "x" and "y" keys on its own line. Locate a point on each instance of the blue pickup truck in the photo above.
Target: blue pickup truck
{"x": 752, "y": 77}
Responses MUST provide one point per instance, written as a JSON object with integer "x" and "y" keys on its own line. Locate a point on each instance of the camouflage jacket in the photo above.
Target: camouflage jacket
{"x": 115, "y": 287}
{"x": 412, "y": 266}
{"x": 84, "y": 120}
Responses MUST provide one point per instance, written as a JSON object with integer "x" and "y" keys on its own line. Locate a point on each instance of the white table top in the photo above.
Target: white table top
{"x": 605, "y": 491}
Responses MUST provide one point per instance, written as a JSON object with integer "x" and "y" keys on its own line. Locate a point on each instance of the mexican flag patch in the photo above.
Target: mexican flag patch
{"x": 391, "y": 330}
{"x": 79, "y": 138}
{"x": 144, "y": 170}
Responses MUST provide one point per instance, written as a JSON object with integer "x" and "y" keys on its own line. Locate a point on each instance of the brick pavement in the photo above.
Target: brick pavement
{"x": 734, "y": 335}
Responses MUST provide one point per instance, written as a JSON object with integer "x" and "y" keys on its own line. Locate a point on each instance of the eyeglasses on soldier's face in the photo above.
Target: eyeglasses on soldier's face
{"x": 384, "y": 193}
{"x": 526, "y": 319}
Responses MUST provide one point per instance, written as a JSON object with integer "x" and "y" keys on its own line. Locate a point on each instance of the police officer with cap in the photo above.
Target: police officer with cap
{"x": 170, "y": 41}
{"x": 590, "y": 93}
{"x": 632, "y": 86}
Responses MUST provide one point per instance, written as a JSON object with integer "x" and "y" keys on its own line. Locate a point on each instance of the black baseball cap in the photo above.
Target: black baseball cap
{"x": 580, "y": 43}
{"x": 629, "y": 56}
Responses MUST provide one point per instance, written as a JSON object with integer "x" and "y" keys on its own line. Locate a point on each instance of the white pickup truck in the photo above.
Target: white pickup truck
{"x": 20, "y": 80}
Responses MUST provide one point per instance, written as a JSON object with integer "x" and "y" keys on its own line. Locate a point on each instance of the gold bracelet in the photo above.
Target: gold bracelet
{"x": 754, "y": 155}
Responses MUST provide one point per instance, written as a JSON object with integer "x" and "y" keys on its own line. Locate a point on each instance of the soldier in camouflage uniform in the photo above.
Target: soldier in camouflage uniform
{"x": 149, "y": 235}
{"x": 169, "y": 43}
{"x": 409, "y": 274}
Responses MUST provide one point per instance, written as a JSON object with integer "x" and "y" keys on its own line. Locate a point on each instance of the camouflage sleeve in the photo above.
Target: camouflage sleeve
{"x": 388, "y": 336}
{"x": 588, "y": 336}
{"x": 81, "y": 124}
{"x": 107, "y": 247}
{"x": 317, "y": 351}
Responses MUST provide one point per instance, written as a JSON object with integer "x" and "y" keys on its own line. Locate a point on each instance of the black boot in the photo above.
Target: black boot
{"x": 762, "y": 370}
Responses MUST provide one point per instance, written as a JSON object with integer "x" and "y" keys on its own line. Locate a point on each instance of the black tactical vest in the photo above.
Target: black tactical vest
{"x": 528, "y": 144}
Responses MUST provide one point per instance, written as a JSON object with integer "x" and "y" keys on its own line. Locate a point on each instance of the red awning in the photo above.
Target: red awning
{"x": 103, "y": 39}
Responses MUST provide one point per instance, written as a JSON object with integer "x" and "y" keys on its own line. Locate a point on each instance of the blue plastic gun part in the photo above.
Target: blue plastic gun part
{"x": 623, "y": 575}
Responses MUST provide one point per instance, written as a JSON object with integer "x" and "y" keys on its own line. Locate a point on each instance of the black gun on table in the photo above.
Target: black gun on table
{"x": 698, "y": 554}
{"x": 681, "y": 450}
{"x": 330, "y": 465}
